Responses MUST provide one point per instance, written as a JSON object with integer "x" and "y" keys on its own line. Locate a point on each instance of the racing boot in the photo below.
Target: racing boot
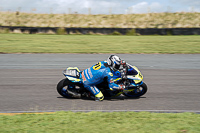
{"x": 96, "y": 94}
{"x": 99, "y": 97}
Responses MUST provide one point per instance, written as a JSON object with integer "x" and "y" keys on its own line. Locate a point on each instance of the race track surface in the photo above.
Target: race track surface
{"x": 28, "y": 83}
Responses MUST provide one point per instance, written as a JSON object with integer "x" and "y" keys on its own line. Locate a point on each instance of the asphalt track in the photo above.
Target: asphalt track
{"x": 28, "y": 83}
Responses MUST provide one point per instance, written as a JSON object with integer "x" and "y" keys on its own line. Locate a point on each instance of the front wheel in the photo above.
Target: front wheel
{"x": 141, "y": 90}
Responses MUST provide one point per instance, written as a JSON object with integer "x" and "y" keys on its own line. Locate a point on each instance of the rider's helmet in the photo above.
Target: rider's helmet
{"x": 114, "y": 62}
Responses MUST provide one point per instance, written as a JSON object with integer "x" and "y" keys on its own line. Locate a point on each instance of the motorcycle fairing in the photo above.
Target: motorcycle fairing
{"x": 137, "y": 78}
{"x": 73, "y": 74}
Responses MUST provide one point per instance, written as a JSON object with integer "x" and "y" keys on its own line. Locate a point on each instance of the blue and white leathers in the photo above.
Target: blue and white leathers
{"x": 95, "y": 75}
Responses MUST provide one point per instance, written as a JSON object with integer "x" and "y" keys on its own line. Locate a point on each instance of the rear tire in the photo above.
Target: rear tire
{"x": 60, "y": 88}
{"x": 137, "y": 92}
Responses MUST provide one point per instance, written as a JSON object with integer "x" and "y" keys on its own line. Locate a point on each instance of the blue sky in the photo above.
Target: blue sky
{"x": 100, "y": 6}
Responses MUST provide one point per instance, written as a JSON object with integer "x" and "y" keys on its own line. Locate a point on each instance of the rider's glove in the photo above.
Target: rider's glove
{"x": 122, "y": 87}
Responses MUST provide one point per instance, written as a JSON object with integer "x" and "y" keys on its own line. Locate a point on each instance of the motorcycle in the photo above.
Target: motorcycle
{"x": 72, "y": 85}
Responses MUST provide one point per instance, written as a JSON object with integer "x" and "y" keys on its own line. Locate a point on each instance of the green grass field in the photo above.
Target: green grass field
{"x": 26, "y": 43}
{"x": 101, "y": 122}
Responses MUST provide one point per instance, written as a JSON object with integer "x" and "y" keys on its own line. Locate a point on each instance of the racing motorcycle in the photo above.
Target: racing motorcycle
{"x": 72, "y": 85}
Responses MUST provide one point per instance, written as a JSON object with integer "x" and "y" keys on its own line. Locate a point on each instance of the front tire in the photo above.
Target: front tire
{"x": 141, "y": 90}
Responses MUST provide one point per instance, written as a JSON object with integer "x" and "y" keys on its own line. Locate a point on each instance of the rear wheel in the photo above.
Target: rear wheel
{"x": 62, "y": 88}
{"x": 141, "y": 90}
{"x": 68, "y": 89}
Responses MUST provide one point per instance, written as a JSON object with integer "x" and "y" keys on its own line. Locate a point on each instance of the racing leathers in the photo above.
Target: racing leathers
{"x": 95, "y": 75}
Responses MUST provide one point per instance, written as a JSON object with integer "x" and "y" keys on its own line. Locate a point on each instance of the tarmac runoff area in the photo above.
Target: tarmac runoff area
{"x": 28, "y": 83}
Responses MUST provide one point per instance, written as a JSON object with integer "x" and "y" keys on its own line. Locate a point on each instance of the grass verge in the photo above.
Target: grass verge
{"x": 120, "y": 122}
{"x": 26, "y": 43}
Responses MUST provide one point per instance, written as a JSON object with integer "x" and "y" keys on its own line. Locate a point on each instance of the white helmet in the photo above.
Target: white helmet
{"x": 114, "y": 62}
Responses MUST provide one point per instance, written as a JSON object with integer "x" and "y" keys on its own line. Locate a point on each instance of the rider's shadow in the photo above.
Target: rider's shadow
{"x": 122, "y": 98}
{"x": 119, "y": 98}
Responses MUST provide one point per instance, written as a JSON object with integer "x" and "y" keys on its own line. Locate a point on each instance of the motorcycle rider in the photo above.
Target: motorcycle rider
{"x": 97, "y": 73}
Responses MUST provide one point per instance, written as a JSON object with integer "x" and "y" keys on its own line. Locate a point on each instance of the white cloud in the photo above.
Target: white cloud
{"x": 62, "y": 6}
{"x": 99, "y": 6}
{"x": 144, "y": 7}
{"x": 186, "y": 5}
{"x": 193, "y": 9}
{"x": 187, "y": 2}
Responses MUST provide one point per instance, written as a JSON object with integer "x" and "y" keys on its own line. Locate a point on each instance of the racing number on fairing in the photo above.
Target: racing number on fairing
{"x": 97, "y": 66}
{"x": 140, "y": 75}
